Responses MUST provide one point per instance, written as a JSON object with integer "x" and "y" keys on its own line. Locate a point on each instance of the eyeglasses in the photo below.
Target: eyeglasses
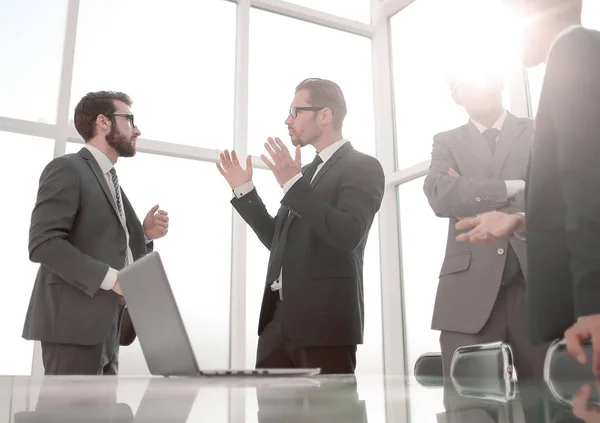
{"x": 294, "y": 110}
{"x": 129, "y": 117}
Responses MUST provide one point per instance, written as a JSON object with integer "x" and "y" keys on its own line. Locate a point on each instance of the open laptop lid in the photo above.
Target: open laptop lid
{"x": 165, "y": 343}
{"x": 156, "y": 318}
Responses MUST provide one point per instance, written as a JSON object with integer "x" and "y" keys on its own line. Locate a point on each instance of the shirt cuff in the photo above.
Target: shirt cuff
{"x": 242, "y": 190}
{"x": 514, "y": 187}
{"x": 148, "y": 241}
{"x": 109, "y": 280}
{"x": 291, "y": 182}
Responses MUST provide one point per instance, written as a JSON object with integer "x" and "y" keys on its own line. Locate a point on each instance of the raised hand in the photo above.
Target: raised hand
{"x": 229, "y": 166}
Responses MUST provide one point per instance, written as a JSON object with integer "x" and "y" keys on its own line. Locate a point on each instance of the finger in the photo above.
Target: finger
{"x": 298, "y": 157}
{"x": 221, "y": 170}
{"x": 596, "y": 353}
{"x": 267, "y": 162}
{"x": 234, "y": 158}
{"x": 272, "y": 153}
{"x": 467, "y": 223}
{"x": 462, "y": 237}
{"x": 162, "y": 224}
{"x": 163, "y": 213}
{"x": 152, "y": 211}
{"x": 283, "y": 148}
{"x": 227, "y": 159}
{"x": 573, "y": 344}
{"x": 249, "y": 162}
{"x": 161, "y": 218}
{"x": 276, "y": 148}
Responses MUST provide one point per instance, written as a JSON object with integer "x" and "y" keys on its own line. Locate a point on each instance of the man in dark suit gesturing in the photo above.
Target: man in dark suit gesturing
{"x": 83, "y": 230}
{"x": 312, "y": 312}
{"x": 562, "y": 200}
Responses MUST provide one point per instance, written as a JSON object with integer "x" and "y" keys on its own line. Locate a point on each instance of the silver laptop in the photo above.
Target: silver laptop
{"x": 160, "y": 330}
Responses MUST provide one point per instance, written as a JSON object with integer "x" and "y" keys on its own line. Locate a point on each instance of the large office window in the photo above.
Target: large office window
{"x": 423, "y": 245}
{"x": 430, "y": 40}
{"x": 32, "y": 34}
{"x": 167, "y": 60}
{"x": 195, "y": 252}
{"x": 19, "y": 190}
{"x": 278, "y": 64}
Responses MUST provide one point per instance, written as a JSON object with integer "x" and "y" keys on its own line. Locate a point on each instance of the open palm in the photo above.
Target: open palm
{"x": 232, "y": 171}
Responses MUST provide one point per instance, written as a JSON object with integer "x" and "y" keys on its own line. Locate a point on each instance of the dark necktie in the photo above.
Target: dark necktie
{"x": 279, "y": 245}
{"x": 491, "y": 135}
{"x": 115, "y": 181}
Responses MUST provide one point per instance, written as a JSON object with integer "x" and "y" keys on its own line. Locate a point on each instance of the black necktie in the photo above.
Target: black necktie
{"x": 279, "y": 245}
{"x": 312, "y": 168}
{"x": 491, "y": 135}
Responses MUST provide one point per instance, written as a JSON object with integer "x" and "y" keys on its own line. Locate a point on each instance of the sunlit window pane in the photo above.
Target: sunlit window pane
{"x": 19, "y": 272}
{"x": 177, "y": 62}
{"x": 32, "y": 34}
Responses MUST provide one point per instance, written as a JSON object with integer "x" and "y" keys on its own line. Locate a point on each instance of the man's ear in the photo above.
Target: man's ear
{"x": 326, "y": 115}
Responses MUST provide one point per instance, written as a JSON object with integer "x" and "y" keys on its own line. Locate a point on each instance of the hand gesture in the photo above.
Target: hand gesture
{"x": 284, "y": 167}
{"x": 156, "y": 223}
{"x": 230, "y": 168}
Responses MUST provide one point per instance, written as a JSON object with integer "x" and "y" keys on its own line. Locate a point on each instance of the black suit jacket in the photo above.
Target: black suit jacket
{"x": 75, "y": 235}
{"x": 323, "y": 258}
{"x": 563, "y": 190}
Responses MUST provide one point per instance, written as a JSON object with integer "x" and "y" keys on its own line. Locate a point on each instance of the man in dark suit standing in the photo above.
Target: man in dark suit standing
{"x": 312, "y": 312}
{"x": 83, "y": 230}
{"x": 475, "y": 168}
{"x": 562, "y": 202}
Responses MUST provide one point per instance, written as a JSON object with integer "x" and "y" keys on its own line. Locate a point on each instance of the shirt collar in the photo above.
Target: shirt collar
{"x": 498, "y": 124}
{"x": 103, "y": 161}
{"x": 328, "y": 152}
{"x": 562, "y": 34}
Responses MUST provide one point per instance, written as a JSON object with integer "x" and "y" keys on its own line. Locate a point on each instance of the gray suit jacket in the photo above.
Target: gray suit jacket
{"x": 76, "y": 234}
{"x": 471, "y": 275}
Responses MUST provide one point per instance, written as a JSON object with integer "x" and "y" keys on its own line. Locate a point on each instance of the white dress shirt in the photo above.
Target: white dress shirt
{"x": 513, "y": 187}
{"x": 105, "y": 166}
{"x": 325, "y": 155}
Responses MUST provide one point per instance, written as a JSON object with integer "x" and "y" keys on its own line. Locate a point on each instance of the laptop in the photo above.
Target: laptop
{"x": 165, "y": 342}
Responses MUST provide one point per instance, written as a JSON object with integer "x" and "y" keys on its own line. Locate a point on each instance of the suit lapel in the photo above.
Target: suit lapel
{"x": 511, "y": 130}
{"x": 342, "y": 151}
{"x": 101, "y": 180}
{"x": 478, "y": 144}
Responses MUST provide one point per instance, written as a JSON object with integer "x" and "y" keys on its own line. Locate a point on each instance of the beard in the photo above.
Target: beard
{"x": 124, "y": 146}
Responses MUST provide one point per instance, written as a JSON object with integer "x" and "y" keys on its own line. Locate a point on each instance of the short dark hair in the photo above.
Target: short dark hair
{"x": 325, "y": 93}
{"x": 94, "y": 104}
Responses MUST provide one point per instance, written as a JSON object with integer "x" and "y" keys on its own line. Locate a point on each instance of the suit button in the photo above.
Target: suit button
{"x": 500, "y": 251}
{"x": 478, "y": 199}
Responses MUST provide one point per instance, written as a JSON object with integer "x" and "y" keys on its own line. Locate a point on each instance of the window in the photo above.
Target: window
{"x": 357, "y": 10}
{"x": 369, "y": 357}
{"x": 591, "y": 14}
{"x": 31, "y": 60}
{"x": 19, "y": 272}
{"x": 278, "y": 64}
{"x": 195, "y": 252}
{"x": 423, "y": 104}
{"x": 167, "y": 60}
{"x": 423, "y": 238}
